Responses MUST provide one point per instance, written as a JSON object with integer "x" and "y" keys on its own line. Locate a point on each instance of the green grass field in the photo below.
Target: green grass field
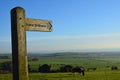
{"x": 99, "y": 63}
{"x": 103, "y": 65}
{"x": 91, "y": 75}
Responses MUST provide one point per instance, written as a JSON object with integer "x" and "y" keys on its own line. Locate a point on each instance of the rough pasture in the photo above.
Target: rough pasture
{"x": 90, "y": 75}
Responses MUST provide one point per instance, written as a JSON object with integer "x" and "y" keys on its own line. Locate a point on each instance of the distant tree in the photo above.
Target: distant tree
{"x": 7, "y": 66}
{"x": 45, "y": 68}
{"x": 66, "y": 68}
{"x": 4, "y": 57}
{"x": 114, "y": 68}
{"x": 29, "y": 69}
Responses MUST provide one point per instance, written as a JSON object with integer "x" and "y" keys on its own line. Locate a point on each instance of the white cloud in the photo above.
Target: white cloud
{"x": 73, "y": 37}
{"x": 87, "y": 42}
{"x": 62, "y": 43}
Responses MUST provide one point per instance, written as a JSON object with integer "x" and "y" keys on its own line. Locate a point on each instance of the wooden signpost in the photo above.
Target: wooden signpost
{"x": 19, "y": 25}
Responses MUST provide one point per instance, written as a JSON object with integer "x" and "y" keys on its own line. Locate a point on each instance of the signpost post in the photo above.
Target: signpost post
{"x": 19, "y": 25}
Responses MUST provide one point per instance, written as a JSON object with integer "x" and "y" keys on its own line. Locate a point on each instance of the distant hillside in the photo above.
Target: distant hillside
{"x": 72, "y": 54}
{"x": 79, "y": 54}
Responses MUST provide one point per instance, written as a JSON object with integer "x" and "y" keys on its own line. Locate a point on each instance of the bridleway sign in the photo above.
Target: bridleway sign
{"x": 38, "y": 25}
{"x": 19, "y": 25}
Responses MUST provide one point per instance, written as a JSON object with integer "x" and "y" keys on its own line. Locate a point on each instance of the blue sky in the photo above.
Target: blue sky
{"x": 78, "y": 25}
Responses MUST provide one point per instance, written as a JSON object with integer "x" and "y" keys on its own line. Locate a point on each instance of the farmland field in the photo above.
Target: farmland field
{"x": 102, "y": 63}
{"x": 87, "y": 61}
{"x": 91, "y": 75}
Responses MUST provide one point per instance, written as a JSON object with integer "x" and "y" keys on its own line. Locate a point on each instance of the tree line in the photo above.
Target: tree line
{"x": 46, "y": 68}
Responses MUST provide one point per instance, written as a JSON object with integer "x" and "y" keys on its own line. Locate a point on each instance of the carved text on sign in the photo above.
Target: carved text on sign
{"x": 38, "y": 25}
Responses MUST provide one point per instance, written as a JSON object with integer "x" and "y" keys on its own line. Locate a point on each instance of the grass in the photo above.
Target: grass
{"x": 99, "y": 63}
{"x": 4, "y": 60}
{"x": 5, "y": 76}
{"x": 102, "y": 73}
{"x": 90, "y": 75}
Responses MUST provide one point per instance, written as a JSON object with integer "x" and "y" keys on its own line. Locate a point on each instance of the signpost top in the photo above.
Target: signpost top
{"x": 18, "y": 7}
{"x": 34, "y": 24}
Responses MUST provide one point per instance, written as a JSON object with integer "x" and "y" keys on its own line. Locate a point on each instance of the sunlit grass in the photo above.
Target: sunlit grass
{"x": 90, "y": 75}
